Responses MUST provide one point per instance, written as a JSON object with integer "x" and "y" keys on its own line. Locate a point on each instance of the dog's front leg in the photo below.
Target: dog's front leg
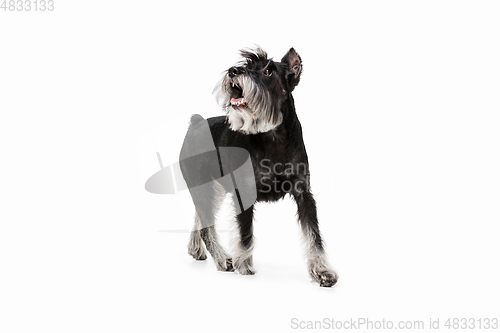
{"x": 243, "y": 243}
{"x": 317, "y": 263}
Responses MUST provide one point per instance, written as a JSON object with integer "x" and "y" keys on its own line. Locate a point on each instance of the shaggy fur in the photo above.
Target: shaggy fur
{"x": 261, "y": 118}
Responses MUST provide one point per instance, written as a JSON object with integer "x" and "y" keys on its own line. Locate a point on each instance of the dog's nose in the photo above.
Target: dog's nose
{"x": 233, "y": 71}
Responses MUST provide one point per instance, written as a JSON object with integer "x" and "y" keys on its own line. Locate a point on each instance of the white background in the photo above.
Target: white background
{"x": 399, "y": 103}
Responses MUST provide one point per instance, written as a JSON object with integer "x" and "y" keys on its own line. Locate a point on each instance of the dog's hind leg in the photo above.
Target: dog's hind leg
{"x": 223, "y": 261}
{"x": 196, "y": 248}
{"x": 208, "y": 199}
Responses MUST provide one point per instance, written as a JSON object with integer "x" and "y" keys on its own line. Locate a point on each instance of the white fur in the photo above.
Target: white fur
{"x": 317, "y": 262}
{"x": 257, "y": 117}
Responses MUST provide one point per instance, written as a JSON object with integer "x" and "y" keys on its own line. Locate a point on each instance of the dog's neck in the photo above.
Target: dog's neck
{"x": 290, "y": 123}
{"x": 290, "y": 119}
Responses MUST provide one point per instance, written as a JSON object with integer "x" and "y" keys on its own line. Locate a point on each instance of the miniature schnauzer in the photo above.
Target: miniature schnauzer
{"x": 261, "y": 122}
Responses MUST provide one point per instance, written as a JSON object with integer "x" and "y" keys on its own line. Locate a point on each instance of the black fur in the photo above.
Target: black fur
{"x": 278, "y": 156}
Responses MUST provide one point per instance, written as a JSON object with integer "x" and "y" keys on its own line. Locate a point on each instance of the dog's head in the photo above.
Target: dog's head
{"x": 253, "y": 91}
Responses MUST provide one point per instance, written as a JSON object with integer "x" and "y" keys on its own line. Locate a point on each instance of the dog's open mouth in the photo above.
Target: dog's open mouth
{"x": 239, "y": 102}
{"x": 238, "y": 99}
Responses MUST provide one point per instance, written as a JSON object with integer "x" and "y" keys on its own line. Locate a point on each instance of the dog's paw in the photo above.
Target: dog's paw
{"x": 198, "y": 254}
{"x": 325, "y": 277}
{"x": 244, "y": 267}
{"x": 246, "y": 270}
{"x": 224, "y": 265}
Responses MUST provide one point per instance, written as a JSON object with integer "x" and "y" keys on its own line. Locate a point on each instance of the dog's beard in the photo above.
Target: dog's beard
{"x": 251, "y": 113}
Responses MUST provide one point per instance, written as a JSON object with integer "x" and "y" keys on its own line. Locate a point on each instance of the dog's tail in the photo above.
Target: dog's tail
{"x": 195, "y": 118}
{"x": 198, "y": 139}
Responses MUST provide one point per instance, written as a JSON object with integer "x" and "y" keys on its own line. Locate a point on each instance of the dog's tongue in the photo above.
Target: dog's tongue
{"x": 239, "y": 102}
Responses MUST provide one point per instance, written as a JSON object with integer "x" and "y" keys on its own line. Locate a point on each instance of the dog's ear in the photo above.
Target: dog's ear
{"x": 293, "y": 64}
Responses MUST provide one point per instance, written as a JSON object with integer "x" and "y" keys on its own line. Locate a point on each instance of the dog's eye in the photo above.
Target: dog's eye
{"x": 268, "y": 72}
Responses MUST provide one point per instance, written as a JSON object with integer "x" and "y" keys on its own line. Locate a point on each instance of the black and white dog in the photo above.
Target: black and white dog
{"x": 261, "y": 121}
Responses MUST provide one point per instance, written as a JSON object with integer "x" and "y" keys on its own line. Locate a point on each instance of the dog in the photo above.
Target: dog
{"x": 262, "y": 127}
